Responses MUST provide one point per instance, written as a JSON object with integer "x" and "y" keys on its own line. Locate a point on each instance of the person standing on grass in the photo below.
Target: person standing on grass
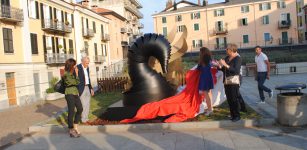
{"x": 263, "y": 73}
{"x": 205, "y": 85}
{"x": 85, "y": 88}
{"x": 71, "y": 80}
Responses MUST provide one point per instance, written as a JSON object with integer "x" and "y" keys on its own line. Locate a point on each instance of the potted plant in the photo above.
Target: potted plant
{"x": 51, "y": 94}
{"x": 66, "y": 22}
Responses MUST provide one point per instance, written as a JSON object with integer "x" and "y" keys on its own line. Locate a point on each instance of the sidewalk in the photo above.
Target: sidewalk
{"x": 16, "y": 121}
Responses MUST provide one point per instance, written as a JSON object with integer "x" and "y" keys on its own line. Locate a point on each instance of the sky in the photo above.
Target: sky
{"x": 154, "y": 6}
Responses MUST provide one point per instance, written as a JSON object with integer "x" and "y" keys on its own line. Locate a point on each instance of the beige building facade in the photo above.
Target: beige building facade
{"x": 37, "y": 36}
{"x": 246, "y": 23}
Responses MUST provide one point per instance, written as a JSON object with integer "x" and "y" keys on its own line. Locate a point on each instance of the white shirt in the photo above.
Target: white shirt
{"x": 260, "y": 61}
{"x": 85, "y": 75}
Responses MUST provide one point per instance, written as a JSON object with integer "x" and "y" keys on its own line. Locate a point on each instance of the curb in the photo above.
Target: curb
{"x": 158, "y": 126}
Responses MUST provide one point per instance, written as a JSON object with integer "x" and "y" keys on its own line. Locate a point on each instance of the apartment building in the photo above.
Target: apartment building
{"x": 301, "y": 20}
{"x": 247, "y": 23}
{"x": 37, "y": 36}
{"x": 129, "y": 9}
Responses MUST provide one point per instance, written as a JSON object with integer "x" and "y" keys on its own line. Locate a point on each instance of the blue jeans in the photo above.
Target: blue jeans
{"x": 261, "y": 77}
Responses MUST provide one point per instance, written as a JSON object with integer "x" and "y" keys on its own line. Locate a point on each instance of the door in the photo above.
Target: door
{"x": 37, "y": 85}
{"x": 6, "y": 8}
{"x": 11, "y": 91}
{"x": 284, "y": 37}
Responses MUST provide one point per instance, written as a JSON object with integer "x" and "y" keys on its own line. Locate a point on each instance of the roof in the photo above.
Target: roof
{"x": 197, "y": 7}
{"x": 103, "y": 11}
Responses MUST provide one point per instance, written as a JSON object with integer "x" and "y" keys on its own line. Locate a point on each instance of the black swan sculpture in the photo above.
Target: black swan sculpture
{"x": 147, "y": 84}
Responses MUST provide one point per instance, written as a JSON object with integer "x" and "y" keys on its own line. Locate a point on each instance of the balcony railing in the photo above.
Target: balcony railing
{"x": 284, "y": 24}
{"x": 135, "y": 11}
{"x": 124, "y": 43}
{"x": 285, "y": 41}
{"x": 220, "y": 46}
{"x": 56, "y": 26}
{"x": 88, "y": 33}
{"x": 123, "y": 30}
{"x": 129, "y": 31}
{"x": 220, "y": 31}
{"x": 53, "y": 58}
{"x": 100, "y": 59}
{"x": 141, "y": 25}
{"x": 11, "y": 14}
{"x": 105, "y": 37}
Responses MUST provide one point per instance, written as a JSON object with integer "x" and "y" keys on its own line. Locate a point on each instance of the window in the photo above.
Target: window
{"x": 34, "y": 47}
{"x": 163, "y": 19}
{"x": 33, "y": 9}
{"x": 196, "y": 27}
{"x": 244, "y": 9}
{"x": 219, "y": 26}
{"x": 195, "y": 15}
{"x": 221, "y": 43}
{"x": 281, "y": 4}
{"x": 219, "y": 12}
{"x": 300, "y": 21}
{"x": 245, "y": 39}
{"x": 267, "y": 37}
{"x": 265, "y": 6}
{"x": 180, "y": 28}
{"x": 165, "y": 31}
{"x": 305, "y": 35}
{"x": 104, "y": 50}
{"x": 244, "y": 22}
{"x": 178, "y": 18}
{"x": 265, "y": 19}
{"x": 7, "y": 40}
{"x": 197, "y": 43}
{"x": 95, "y": 49}
{"x": 94, "y": 26}
{"x": 71, "y": 46}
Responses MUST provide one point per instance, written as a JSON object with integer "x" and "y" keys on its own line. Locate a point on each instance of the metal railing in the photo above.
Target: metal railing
{"x": 284, "y": 24}
{"x": 220, "y": 31}
{"x": 123, "y": 30}
{"x": 56, "y": 26}
{"x": 100, "y": 58}
{"x": 129, "y": 31}
{"x": 135, "y": 11}
{"x": 124, "y": 43}
{"x": 105, "y": 37}
{"x": 88, "y": 32}
{"x": 54, "y": 58}
{"x": 285, "y": 41}
{"x": 11, "y": 13}
{"x": 115, "y": 69}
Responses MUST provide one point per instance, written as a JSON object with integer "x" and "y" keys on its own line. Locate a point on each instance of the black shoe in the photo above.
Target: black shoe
{"x": 235, "y": 119}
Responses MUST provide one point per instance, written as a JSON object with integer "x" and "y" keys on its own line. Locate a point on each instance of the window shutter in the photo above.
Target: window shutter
{"x": 44, "y": 44}
{"x": 201, "y": 43}
{"x": 42, "y": 14}
{"x": 54, "y": 12}
{"x": 72, "y": 20}
{"x": 57, "y": 45}
{"x": 94, "y": 26}
{"x": 37, "y": 10}
{"x": 53, "y": 47}
{"x": 269, "y": 5}
{"x": 215, "y": 13}
{"x": 260, "y": 7}
{"x": 217, "y": 42}
{"x": 50, "y": 12}
{"x": 225, "y": 42}
{"x": 65, "y": 20}
{"x": 62, "y": 14}
{"x": 198, "y": 15}
{"x": 192, "y": 16}
{"x": 193, "y": 43}
{"x": 242, "y": 8}
{"x": 247, "y": 8}
{"x": 10, "y": 39}
{"x": 64, "y": 41}
{"x": 278, "y": 4}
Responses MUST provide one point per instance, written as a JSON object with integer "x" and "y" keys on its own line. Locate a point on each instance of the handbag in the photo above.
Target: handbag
{"x": 60, "y": 86}
{"x": 231, "y": 80}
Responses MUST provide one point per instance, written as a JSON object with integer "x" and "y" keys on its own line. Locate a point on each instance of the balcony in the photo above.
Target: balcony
{"x": 124, "y": 43}
{"x": 11, "y": 14}
{"x": 129, "y": 31}
{"x": 56, "y": 26}
{"x": 105, "y": 37}
{"x": 88, "y": 33}
{"x": 220, "y": 46}
{"x": 140, "y": 25}
{"x": 123, "y": 30}
{"x": 53, "y": 58}
{"x": 220, "y": 31}
{"x": 135, "y": 11}
{"x": 285, "y": 41}
{"x": 284, "y": 24}
{"x": 100, "y": 59}
{"x": 134, "y": 22}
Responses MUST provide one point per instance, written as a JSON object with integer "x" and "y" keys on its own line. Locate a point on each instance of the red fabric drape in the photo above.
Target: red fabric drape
{"x": 183, "y": 105}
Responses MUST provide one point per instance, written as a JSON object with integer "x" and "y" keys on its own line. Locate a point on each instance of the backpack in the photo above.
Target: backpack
{"x": 60, "y": 86}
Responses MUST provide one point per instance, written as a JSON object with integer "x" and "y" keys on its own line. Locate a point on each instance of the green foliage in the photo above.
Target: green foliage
{"x": 52, "y": 83}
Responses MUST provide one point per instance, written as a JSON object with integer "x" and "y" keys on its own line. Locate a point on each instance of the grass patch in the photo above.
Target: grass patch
{"x": 221, "y": 113}
{"x": 99, "y": 103}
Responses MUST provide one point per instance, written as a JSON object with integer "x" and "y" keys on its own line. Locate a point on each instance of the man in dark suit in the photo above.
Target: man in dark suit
{"x": 85, "y": 88}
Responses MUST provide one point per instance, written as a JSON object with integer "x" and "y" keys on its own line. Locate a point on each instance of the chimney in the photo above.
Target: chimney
{"x": 85, "y": 3}
{"x": 205, "y": 2}
{"x": 94, "y": 7}
{"x": 169, "y": 4}
{"x": 198, "y": 2}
